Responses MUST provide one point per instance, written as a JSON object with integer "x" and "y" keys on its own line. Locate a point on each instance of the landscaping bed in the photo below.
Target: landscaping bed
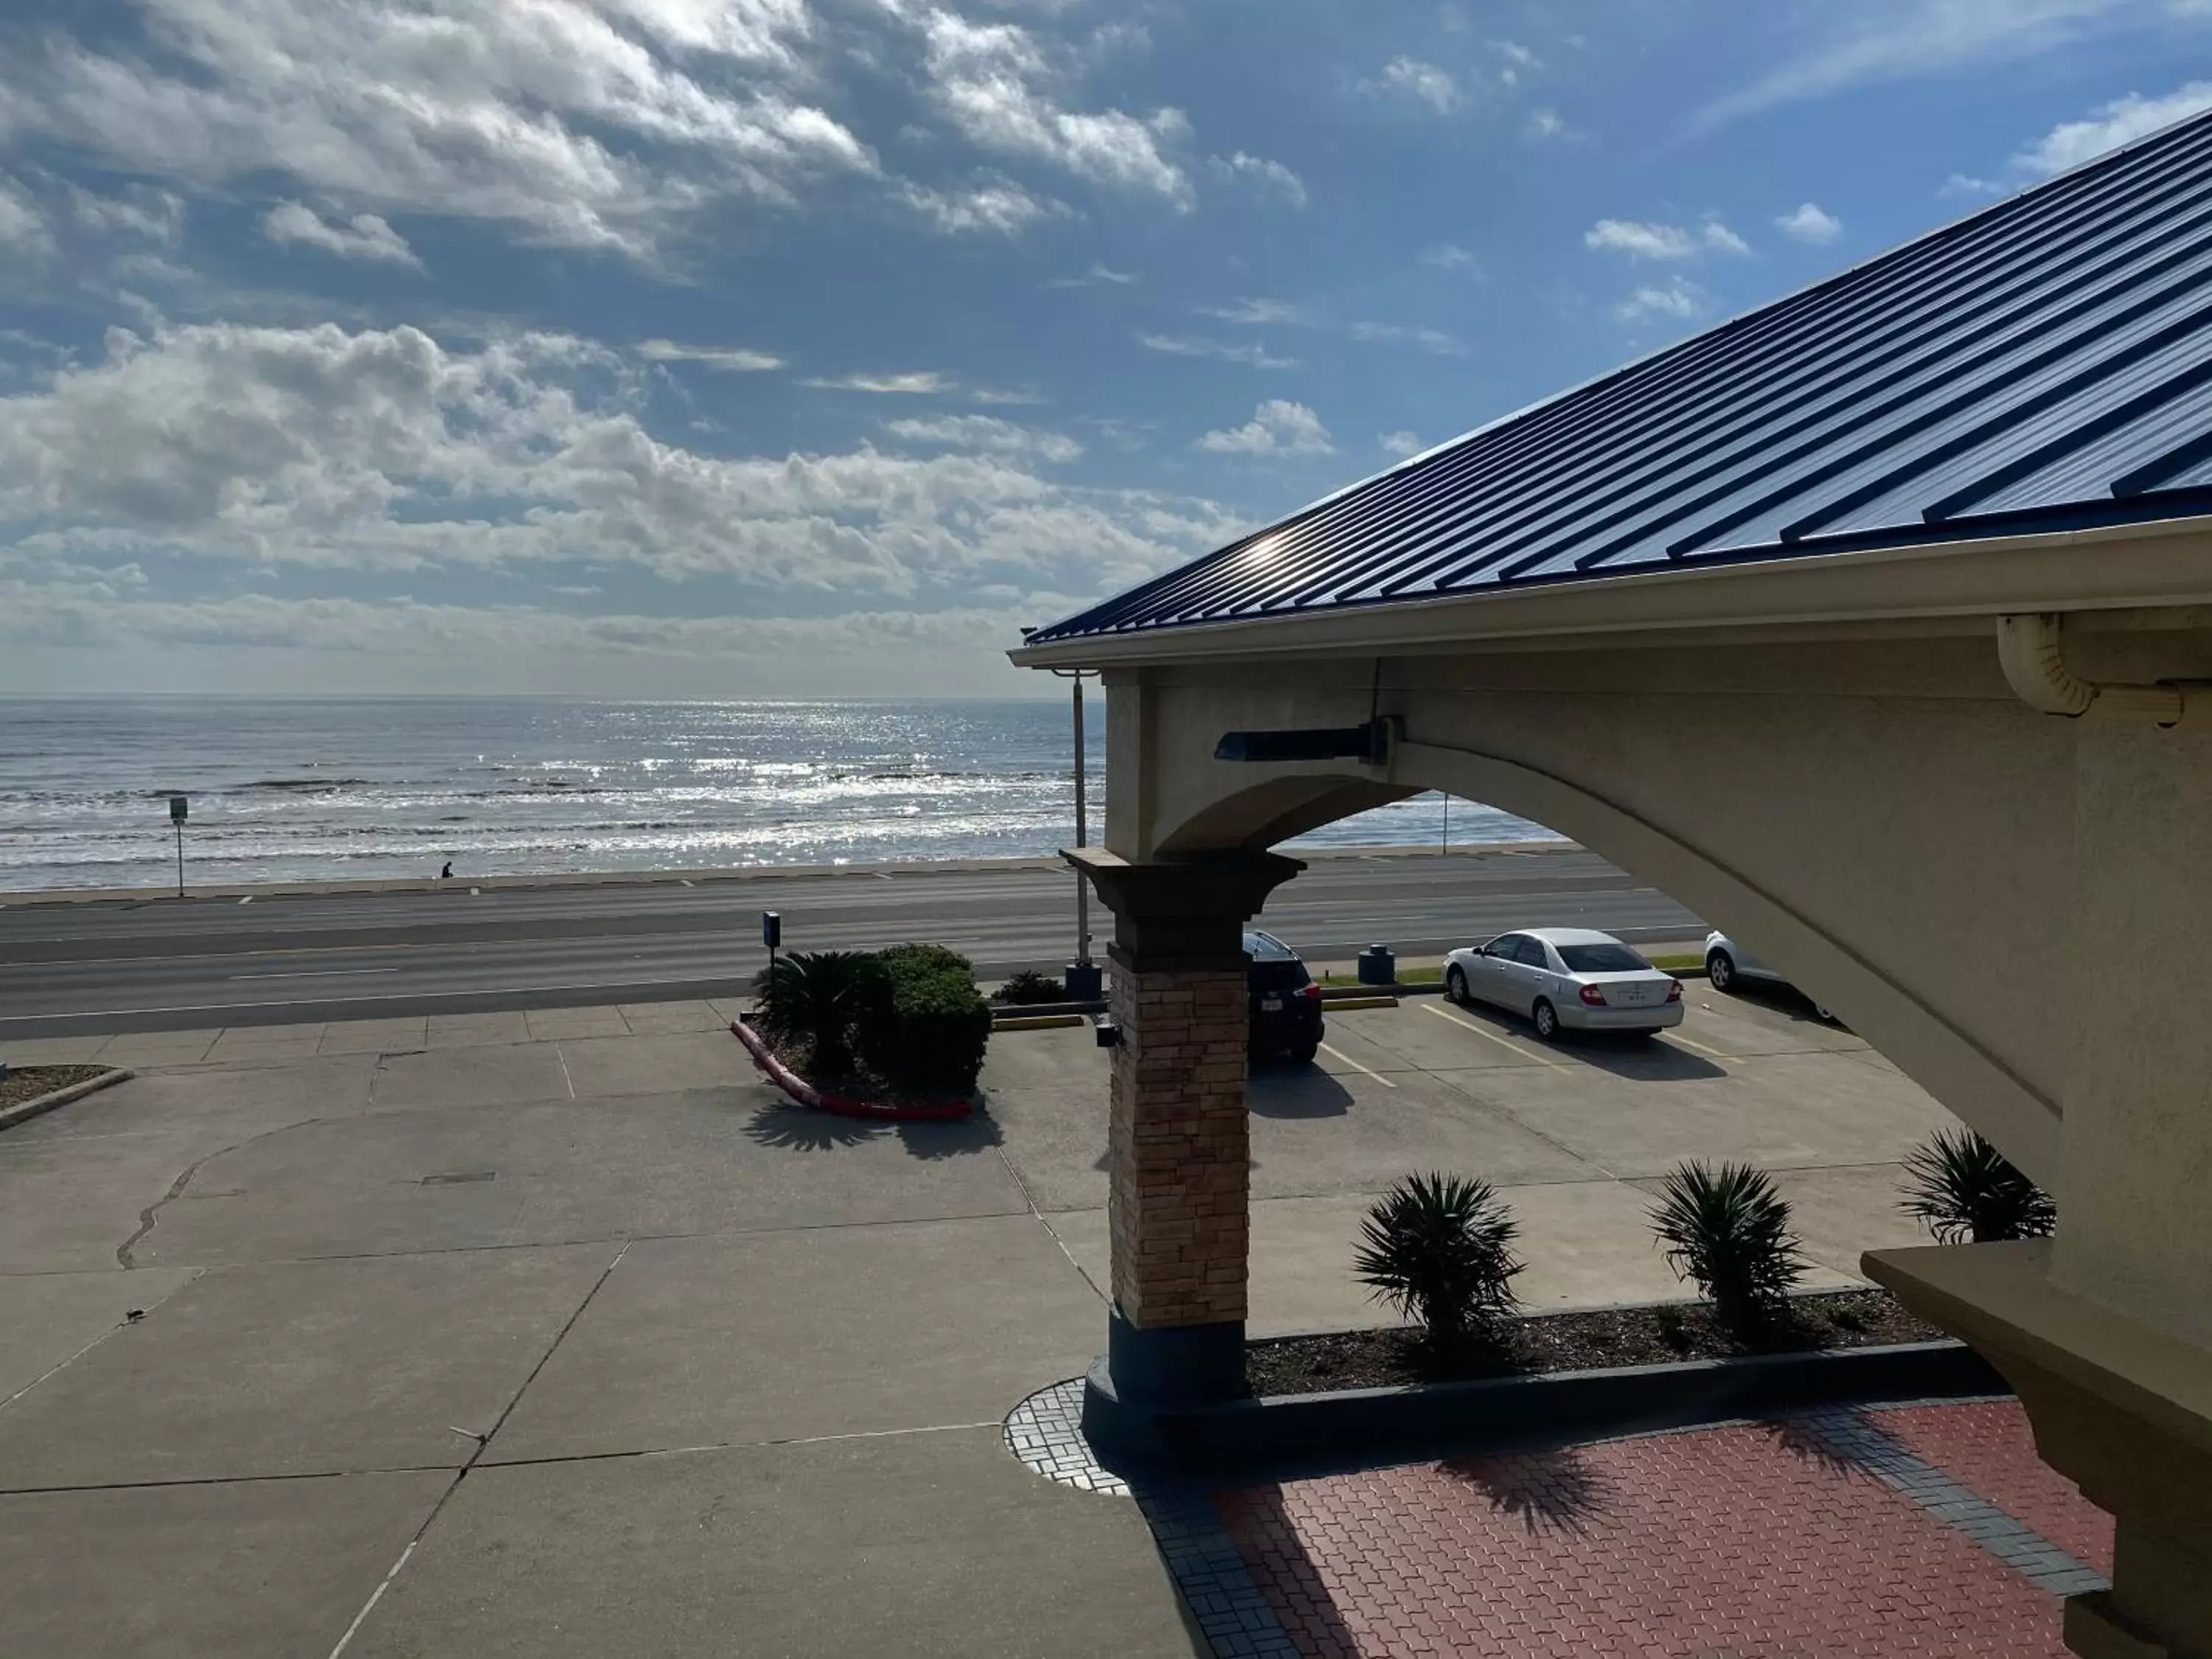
{"x": 1601, "y": 1339}
{"x": 25, "y": 1083}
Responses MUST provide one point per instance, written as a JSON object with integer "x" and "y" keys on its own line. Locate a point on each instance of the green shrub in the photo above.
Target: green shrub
{"x": 929, "y": 1025}
{"x": 1965, "y": 1189}
{"x": 1027, "y": 988}
{"x": 820, "y": 998}
{"x": 1438, "y": 1249}
{"x": 1727, "y": 1230}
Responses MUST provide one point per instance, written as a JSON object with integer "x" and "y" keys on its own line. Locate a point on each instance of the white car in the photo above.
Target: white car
{"x": 1566, "y": 976}
{"x": 1727, "y": 961}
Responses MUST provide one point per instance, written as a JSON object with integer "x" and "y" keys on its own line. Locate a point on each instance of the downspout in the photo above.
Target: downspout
{"x": 2034, "y": 660}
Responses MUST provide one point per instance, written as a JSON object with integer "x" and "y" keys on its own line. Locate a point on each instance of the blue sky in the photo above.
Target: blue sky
{"x": 746, "y": 347}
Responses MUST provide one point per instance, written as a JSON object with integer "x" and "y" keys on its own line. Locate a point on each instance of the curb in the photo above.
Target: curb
{"x": 23, "y": 1109}
{"x": 1037, "y": 1022}
{"x": 1415, "y": 1420}
{"x": 928, "y": 1111}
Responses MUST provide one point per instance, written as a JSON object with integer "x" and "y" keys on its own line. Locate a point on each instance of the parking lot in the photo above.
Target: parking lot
{"x": 1577, "y": 1133}
{"x": 558, "y": 1331}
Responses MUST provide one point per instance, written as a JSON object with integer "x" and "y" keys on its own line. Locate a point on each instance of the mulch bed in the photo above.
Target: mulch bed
{"x": 1537, "y": 1343}
{"x": 25, "y": 1083}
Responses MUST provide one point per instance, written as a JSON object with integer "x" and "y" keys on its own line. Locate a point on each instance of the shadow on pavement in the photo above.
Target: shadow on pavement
{"x": 1296, "y": 1091}
{"x": 1267, "y": 1538}
{"x": 1554, "y": 1491}
{"x": 1640, "y": 1060}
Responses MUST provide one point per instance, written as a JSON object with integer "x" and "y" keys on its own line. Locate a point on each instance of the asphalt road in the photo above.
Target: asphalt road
{"x": 171, "y": 964}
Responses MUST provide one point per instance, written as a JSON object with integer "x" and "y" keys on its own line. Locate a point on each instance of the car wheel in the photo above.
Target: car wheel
{"x": 1456, "y": 985}
{"x": 1546, "y": 1018}
{"x": 1720, "y": 969}
{"x": 1304, "y": 1053}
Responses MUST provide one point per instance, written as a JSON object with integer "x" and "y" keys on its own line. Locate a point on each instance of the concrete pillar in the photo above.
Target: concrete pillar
{"x": 1178, "y": 1139}
{"x": 2105, "y": 1332}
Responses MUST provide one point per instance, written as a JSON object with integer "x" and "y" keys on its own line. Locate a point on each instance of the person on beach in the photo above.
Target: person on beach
{"x": 446, "y": 874}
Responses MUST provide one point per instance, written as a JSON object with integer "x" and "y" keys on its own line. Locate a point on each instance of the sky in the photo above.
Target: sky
{"x": 751, "y": 348}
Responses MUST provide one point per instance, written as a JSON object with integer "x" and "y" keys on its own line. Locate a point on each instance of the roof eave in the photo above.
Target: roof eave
{"x": 2161, "y": 563}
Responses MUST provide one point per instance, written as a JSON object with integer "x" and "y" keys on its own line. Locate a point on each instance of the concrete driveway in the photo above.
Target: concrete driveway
{"x": 554, "y": 1334}
{"x": 442, "y": 1339}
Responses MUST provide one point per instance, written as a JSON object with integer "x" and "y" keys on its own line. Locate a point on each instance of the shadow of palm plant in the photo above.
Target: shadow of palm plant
{"x": 1555, "y": 1491}
{"x": 789, "y": 1129}
{"x": 1965, "y": 1191}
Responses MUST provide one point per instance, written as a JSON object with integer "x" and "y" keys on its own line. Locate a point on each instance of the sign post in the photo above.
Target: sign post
{"x": 771, "y": 936}
{"x": 177, "y": 809}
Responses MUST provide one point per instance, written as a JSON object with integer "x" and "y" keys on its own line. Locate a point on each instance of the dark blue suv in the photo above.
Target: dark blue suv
{"x": 1285, "y": 1001}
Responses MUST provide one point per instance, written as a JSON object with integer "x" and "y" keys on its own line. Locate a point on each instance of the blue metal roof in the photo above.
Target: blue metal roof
{"x": 2044, "y": 363}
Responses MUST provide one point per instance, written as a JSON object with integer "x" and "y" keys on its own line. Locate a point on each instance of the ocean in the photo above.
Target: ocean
{"x": 348, "y": 789}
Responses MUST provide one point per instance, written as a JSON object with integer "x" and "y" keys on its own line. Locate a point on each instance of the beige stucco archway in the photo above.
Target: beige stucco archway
{"x": 1833, "y": 759}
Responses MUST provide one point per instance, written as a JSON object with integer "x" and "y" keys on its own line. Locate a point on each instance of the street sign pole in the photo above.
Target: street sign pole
{"x": 177, "y": 810}
{"x": 1084, "y": 979}
{"x": 771, "y": 936}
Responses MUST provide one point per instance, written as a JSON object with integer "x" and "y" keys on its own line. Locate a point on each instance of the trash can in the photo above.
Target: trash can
{"x": 1378, "y": 965}
{"x": 1085, "y": 981}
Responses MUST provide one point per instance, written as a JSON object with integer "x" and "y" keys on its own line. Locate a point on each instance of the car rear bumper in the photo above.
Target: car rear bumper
{"x": 1659, "y": 1017}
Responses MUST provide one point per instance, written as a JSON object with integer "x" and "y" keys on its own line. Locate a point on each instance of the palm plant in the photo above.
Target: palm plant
{"x": 816, "y": 997}
{"x": 1438, "y": 1249}
{"x": 1727, "y": 1230}
{"x": 1965, "y": 1189}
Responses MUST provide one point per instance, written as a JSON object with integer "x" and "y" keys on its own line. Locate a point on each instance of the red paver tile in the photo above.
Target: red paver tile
{"x": 1716, "y": 1544}
{"x": 1989, "y": 1449}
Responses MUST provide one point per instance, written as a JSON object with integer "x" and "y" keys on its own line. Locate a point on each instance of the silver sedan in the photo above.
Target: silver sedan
{"x": 1566, "y": 976}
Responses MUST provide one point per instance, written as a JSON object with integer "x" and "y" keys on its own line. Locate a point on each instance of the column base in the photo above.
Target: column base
{"x": 1146, "y": 1377}
{"x": 2121, "y": 1410}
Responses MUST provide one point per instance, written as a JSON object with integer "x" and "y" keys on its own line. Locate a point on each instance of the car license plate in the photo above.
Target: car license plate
{"x": 1271, "y": 1005}
{"x": 1636, "y": 994}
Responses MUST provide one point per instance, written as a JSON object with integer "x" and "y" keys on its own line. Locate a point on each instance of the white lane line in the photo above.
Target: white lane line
{"x": 476, "y": 892}
{"x": 687, "y": 883}
{"x": 1357, "y": 1067}
{"x": 318, "y": 973}
{"x": 1676, "y": 1035}
{"x": 1480, "y": 1029}
{"x": 248, "y": 899}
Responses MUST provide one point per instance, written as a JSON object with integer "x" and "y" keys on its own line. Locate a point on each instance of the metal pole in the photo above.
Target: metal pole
{"x": 1082, "y": 834}
{"x": 179, "y": 828}
{"x": 1447, "y": 846}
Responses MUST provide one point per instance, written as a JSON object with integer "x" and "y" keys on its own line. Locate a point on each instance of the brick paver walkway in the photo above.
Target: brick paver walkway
{"x": 1929, "y": 1529}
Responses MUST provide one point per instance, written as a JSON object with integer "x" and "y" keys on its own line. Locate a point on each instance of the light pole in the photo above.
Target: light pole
{"x": 1085, "y": 982}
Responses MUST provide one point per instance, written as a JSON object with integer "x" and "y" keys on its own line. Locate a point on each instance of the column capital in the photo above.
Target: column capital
{"x": 1185, "y": 912}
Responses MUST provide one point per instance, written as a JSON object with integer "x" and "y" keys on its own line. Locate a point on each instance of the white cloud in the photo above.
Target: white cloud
{"x": 997, "y": 206}
{"x": 1545, "y": 123}
{"x": 2120, "y": 122}
{"x": 587, "y": 124}
{"x": 1809, "y": 223}
{"x": 383, "y": 450}
{"x": 986, "y": 433}
{"x": 23, "y": 231}
{"x": 140, "y": 211}
{"x": 912, "y": 383}
{"x": 1963, "y": 183}
{"x": 365, "y": 236}
{"x": 1261, "y": 313}
{"x": 1432, "y": 340}
{"x": 1269, "y": 177}
{"x": 1227, "y": 351}
{"x": 1879, "y": 40}
{"x": 1677, "y": 297}
{"x": 1641, "y": 241}
{"x": 1450, "y": 256}
{"x": 1278, "y": 426}
{"x": 1098, "y": 276}
{"x": 730, "y": 360}
{"x": 1424, "y": 82}
{"x": 997, "y": 85}
{"x": 1400, "y": 444}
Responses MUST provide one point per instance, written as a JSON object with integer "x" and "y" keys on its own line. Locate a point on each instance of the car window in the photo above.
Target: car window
{"x": 1531, "y": 951}
{"x": 1601, "y": 959}
{"x": 1278, "y": 974}
{"x": 1503, "y": 945}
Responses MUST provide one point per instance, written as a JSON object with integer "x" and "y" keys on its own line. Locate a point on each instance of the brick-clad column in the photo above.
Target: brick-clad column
{"x": 1178, "y": 1140}
{"x": 1179, "y": 1207}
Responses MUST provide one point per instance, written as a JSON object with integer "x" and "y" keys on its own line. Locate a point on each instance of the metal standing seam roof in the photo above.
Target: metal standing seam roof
{"x": 2044, "y": 363}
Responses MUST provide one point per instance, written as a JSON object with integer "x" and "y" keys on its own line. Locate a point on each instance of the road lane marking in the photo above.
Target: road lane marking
{"x": 1710, "y": 1053}
{"x": 1357, "y": 1067}
{"x": 1480, "y": 1029}
{"x": 318, "y": 973}
{"x": 248, "y": 899}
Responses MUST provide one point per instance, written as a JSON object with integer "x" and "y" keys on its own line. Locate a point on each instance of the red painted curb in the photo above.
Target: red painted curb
{"x": 926, "y": 1111}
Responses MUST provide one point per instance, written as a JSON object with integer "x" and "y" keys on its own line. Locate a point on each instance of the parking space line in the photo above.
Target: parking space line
{"x": 1480, "y": 1029}
{"x": 1676, "y": 1035}
{"x": 1357, "y": 1067}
